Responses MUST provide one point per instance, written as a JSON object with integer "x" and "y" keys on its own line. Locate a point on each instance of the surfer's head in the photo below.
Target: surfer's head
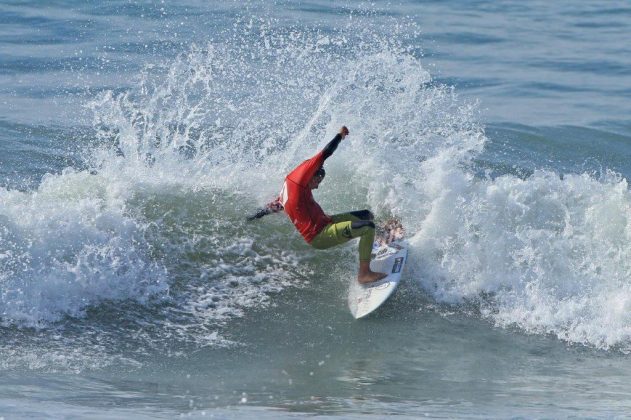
{"x": 317, "y": 178}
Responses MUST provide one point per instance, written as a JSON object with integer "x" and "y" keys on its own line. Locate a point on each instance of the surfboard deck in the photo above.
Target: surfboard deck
{"x": 389, "y": 258}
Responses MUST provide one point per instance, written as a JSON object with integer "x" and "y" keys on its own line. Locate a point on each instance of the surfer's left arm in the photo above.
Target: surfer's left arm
{"x": 303, "y": 173}
{"x": 332, "y": 146}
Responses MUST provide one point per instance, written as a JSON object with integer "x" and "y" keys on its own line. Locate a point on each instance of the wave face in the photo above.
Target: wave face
{"x": 178, "y": 160}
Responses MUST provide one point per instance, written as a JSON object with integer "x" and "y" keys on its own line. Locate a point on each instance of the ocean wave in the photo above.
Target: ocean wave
{"x": 182, "y": 155}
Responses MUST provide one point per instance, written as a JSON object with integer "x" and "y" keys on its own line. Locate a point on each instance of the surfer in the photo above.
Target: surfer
{"x": 318, "y": 229}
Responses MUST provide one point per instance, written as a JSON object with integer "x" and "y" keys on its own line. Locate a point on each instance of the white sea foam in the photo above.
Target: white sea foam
{"x": 69, "y": 245}
{"x": 544, "y": 254}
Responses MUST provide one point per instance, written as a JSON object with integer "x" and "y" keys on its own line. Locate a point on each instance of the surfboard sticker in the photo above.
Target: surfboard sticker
{"x": 398, "y": 264}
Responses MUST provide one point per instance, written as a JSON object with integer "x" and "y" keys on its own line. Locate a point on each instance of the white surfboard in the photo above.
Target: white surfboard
{"x": 390, "y": 258}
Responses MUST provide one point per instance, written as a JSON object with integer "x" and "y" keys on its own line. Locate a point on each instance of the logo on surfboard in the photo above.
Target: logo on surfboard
{"x": 398, "y": 263}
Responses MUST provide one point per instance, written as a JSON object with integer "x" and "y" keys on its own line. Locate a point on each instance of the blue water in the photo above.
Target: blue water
{"x": 136, "y": 136}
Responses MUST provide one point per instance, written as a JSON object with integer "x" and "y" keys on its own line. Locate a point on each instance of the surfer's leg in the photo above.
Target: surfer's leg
{"x": 362, "y": 214}
{"x": 365, "y": 230}
{"x": 339, "y": 233}
{"x": 352, "y": 216}
{"x": 332, "y": 234}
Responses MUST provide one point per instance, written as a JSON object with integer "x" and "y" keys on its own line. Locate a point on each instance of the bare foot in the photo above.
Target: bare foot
{"x": 370, "y": 277}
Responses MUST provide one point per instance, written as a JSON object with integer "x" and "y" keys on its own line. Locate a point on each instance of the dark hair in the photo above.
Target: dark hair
{"x": 320, "y": 172}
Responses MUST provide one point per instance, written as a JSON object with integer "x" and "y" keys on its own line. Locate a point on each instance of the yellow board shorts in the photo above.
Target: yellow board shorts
{"x": 347, "y": 226}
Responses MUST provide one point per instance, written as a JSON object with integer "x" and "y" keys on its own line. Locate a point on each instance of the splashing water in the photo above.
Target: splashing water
{"x": 70, "y": 245}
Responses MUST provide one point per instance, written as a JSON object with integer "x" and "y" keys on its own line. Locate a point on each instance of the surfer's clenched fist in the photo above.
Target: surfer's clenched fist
{"x": 344, "y": 131}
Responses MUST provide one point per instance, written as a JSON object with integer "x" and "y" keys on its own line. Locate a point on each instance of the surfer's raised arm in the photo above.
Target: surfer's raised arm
{"x": 330, "y": 148}
{"x": 312, "y": 167}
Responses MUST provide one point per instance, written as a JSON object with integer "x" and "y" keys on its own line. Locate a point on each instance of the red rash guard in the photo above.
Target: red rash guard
{"x": 298, "y": 201}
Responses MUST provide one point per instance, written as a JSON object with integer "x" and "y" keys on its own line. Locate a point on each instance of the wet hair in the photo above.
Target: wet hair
{"x": 320, "y": 172}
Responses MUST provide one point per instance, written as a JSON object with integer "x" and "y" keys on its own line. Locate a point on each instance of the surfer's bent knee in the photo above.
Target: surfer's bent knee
{"x": 361, "y": 224}
{"x": 363, "y": 214}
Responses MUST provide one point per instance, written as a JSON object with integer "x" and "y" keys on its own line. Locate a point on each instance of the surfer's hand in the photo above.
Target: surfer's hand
{"x": 344, "y": 131}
